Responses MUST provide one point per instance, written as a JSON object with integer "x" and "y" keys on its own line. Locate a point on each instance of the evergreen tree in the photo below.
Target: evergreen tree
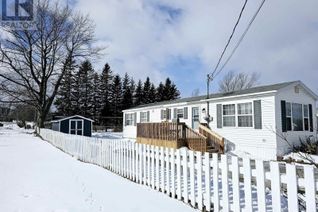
{"x": 127, "y": 101}
{"x": 139, "y": 94}
{"x": 106, "y": 81}
{"x": 116, "y": 96}
{"x": 152, "y": 93}
{"x": 160, "y": 93}
{"x": 63, "y": 101}
{"x": 170, "y": 90}
{"x": 97, "y": 97}
{"x": 146, "y": 91}
{"x": 85, "y": 83}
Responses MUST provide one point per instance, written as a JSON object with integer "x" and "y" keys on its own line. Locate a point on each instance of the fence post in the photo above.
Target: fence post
{"x": 236, "y": 183}
{"x": 199, "y": 180}
{"x": 179, "y": 191}
{"x": 162, "y": 163}
{"x": 225, "y": 184}
{"x": 173, "y": 175}
{"x": 157, "y": 168}
{"x": 216, "y": 198}
{"x": 192, "y": 179}
{"x": 247, "y": 184}
{"x": 185, "y": 176}
{"x": 310, "y": 188}
{"x": 168, "y": 170}
{"x": 292, "y": 192}
{"x": 260, "y": 185}
{"x": 207, "y": 181}
{"x": 275, "y": 186}
{"x": 149, "y": 166}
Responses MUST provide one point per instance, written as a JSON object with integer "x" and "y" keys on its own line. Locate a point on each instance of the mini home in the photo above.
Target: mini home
{"x": 252, "y": 121}
{"x": 74, "y": 125}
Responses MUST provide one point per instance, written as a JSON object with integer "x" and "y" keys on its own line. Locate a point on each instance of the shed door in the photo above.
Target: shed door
{"x": 76, "y": 127}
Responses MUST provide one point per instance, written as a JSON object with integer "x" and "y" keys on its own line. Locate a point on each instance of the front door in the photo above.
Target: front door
{"x": 76, "y": 127}
{"x": 195, "y": 118}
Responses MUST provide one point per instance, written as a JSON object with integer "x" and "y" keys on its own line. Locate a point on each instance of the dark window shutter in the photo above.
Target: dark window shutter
{"x": 135, "y": 119}
{"x": 311, "y": 121}
{"x": 125, "y": 120}
{"x": 168, "y": 114}
{"x": 283, "y": 112}
{"x": 175, "y": 113}
{"x": 185, "y": 113}
{"x": 148, "y": 116}
{"x": 219, "y": 115}
{"x": 258, "y": 114}
{"x": 161, "y": 114}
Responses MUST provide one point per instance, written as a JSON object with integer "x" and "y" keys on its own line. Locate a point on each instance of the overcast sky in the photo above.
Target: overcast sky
{"x": 183, "y": 39}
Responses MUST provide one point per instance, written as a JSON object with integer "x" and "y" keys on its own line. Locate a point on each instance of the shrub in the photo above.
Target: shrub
{"x": 309, "y": 146}
{"x": 21, "y": 124}
{"x": 1, "y": 125}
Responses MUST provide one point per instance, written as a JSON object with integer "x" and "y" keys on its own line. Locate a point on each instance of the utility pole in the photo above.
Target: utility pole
{"x": 209, "y": 79}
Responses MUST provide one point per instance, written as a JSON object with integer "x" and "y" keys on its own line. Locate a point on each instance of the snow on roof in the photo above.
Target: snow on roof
{"x": 71, "y": 117}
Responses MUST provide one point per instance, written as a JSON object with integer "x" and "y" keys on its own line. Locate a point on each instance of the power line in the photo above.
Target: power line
{"x": 241, "y": 38}
{"x": 230, "y": 38}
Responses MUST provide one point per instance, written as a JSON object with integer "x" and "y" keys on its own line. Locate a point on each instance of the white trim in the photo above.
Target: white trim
{"x": 252, "y": 114}
{"x": 180, "y": 104}
{"x": 70, "y": 117}
{"x": 76, "y": 122}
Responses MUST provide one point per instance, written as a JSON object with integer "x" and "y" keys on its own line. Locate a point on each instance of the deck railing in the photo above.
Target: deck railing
{"x": 195, "y": 141}
{"x": 173, "y": 135}
{"x": 214, "y": 140}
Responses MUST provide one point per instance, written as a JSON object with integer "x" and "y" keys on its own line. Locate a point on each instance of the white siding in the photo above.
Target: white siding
{"x": 288, "y": 94}
{"x": 259, "y": 143}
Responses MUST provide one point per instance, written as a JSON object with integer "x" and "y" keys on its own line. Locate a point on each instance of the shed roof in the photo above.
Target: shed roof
{"x": 258, "y": 89}
{"x": 71, "y": 117}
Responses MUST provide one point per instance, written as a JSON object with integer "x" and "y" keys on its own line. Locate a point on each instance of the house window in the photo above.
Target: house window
{"x": 245, "y": 115}
{"x": 130, "y": 119}
{"x": 144, "y": 117}
{"x": 180, "y": 113}
{"x": 163, "y": 114}
{"x": 229, "y": 115}
{"x": 306, "y": 117}
{"x": 297, "y": 114}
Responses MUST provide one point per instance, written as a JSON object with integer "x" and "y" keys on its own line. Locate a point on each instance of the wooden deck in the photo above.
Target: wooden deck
{"x": 177, "y": 135}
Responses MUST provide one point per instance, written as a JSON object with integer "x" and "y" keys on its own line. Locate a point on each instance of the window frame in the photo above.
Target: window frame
{"x": 131, "y": 119}
{"x": 143, "y": 117}
{"x": 178, "y": 113}
{"x": 232, "y": 115}
{"x": 246, "y": 115}
{"x": 291, "y": 117}
{"x": 306, "y": 118}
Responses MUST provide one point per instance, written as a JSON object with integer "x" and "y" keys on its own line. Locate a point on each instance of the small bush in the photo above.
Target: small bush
{"x": 1, "y": 125}
{"x": 21, "y": 124}
{"x": 309, "y": 146}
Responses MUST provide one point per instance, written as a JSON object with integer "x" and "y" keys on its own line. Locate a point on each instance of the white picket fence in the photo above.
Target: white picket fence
{"x": 216, "y": 183}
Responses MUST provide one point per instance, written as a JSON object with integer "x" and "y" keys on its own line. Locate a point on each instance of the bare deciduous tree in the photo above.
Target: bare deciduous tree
{"x": 33, "y": 62}
{"x": 238, "y": 81}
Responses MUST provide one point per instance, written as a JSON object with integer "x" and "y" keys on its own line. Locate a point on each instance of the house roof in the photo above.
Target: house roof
{"x": 70, "y": 117}
{"x": 259, "y": 89}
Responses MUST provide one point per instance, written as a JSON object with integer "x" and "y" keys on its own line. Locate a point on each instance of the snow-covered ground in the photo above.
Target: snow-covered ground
{"x": 307, "y": 158}
{"x": 108, "y": 135}
{"x": 35, "y": 176}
